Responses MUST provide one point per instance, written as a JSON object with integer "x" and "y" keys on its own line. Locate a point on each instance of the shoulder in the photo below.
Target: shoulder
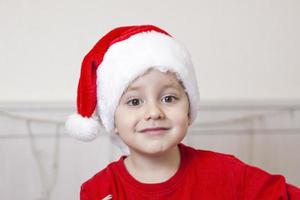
{"x": 251, "y": 182}
{"x": 99, "y": 185}
{"x": 212, "y": 158}
{"x": 100, "y": 179}
{"x": 216, "y": 168}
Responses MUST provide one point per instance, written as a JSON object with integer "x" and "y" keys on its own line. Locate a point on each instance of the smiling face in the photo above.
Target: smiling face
{"x": 152, "y": 115}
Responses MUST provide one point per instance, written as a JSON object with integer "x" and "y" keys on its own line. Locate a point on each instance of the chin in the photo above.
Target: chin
{"x": 157, "y": 148}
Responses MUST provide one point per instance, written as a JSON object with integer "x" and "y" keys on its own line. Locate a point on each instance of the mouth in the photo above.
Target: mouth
{"x": 155, "y": 131}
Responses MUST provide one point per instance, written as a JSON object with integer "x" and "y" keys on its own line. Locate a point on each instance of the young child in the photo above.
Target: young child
{"x": 144, "y": 87}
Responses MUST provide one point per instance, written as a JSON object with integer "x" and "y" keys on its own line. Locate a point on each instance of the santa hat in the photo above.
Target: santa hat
{"x": 114, "y": 62}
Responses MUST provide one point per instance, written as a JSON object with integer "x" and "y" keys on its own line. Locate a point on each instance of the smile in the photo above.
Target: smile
{"x": 155, "y": 131}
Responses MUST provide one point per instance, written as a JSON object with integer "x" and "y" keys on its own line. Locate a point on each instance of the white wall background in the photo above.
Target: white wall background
{"x": 243, "y": 51}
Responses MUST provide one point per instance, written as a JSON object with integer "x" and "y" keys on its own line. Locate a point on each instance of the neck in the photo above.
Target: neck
{"x": 153, "y": 168}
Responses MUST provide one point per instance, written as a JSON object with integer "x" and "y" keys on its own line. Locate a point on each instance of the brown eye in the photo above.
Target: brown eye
{"x": 134, "y": 102}
{"x": 169, "y": 99}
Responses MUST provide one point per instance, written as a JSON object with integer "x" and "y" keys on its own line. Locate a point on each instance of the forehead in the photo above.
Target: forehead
{"x": 158, "y": 78}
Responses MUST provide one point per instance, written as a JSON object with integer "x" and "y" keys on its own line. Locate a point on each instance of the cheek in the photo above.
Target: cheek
{"x": 181, "y": 120}
{"x": 178, "y": 118}
{"x": 180, "y": 115}
{"x": 125, "y": 119}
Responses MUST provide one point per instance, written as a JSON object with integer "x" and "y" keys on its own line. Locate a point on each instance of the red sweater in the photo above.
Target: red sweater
{"x": 201, "y": 175}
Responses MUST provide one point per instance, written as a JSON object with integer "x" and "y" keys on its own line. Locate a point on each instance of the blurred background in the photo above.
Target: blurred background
{"x": 246, "y": 56}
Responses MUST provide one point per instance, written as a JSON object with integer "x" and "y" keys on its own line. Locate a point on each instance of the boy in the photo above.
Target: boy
{"x": 144, "y": 86}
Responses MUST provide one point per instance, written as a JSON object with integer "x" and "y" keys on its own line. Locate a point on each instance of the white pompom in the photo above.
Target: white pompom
{"x": 82, "y": 128}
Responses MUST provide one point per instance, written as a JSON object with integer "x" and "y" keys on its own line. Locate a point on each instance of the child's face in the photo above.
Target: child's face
{"x": 154, "y": 100}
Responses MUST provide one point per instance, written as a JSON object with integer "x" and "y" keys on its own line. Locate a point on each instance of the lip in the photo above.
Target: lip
{"x": 155, "y": 131}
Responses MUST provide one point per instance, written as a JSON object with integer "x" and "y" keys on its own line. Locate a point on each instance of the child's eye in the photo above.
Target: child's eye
{"x": 134, "y": 102}
{"x": 169, "y": 99}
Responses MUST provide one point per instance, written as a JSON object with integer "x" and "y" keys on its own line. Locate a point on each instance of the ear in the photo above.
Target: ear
{"x": 116, "y": 131}
{"x": 189, "y": 119}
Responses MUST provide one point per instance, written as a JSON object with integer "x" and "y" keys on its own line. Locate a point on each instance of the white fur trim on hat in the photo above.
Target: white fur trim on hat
{"x": 82, "y": 128}
{"x": 126, "y": 60}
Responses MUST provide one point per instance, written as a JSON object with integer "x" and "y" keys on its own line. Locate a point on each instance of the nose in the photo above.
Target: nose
{"x": 154, "y": 111}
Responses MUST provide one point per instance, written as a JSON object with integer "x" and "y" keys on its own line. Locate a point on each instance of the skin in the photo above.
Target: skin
{"x": 154, "y": 154}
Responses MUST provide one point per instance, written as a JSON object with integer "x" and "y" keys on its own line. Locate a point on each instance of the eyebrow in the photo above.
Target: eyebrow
{"x": 136, "y": 88}
{"x": 133, "y": 88}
